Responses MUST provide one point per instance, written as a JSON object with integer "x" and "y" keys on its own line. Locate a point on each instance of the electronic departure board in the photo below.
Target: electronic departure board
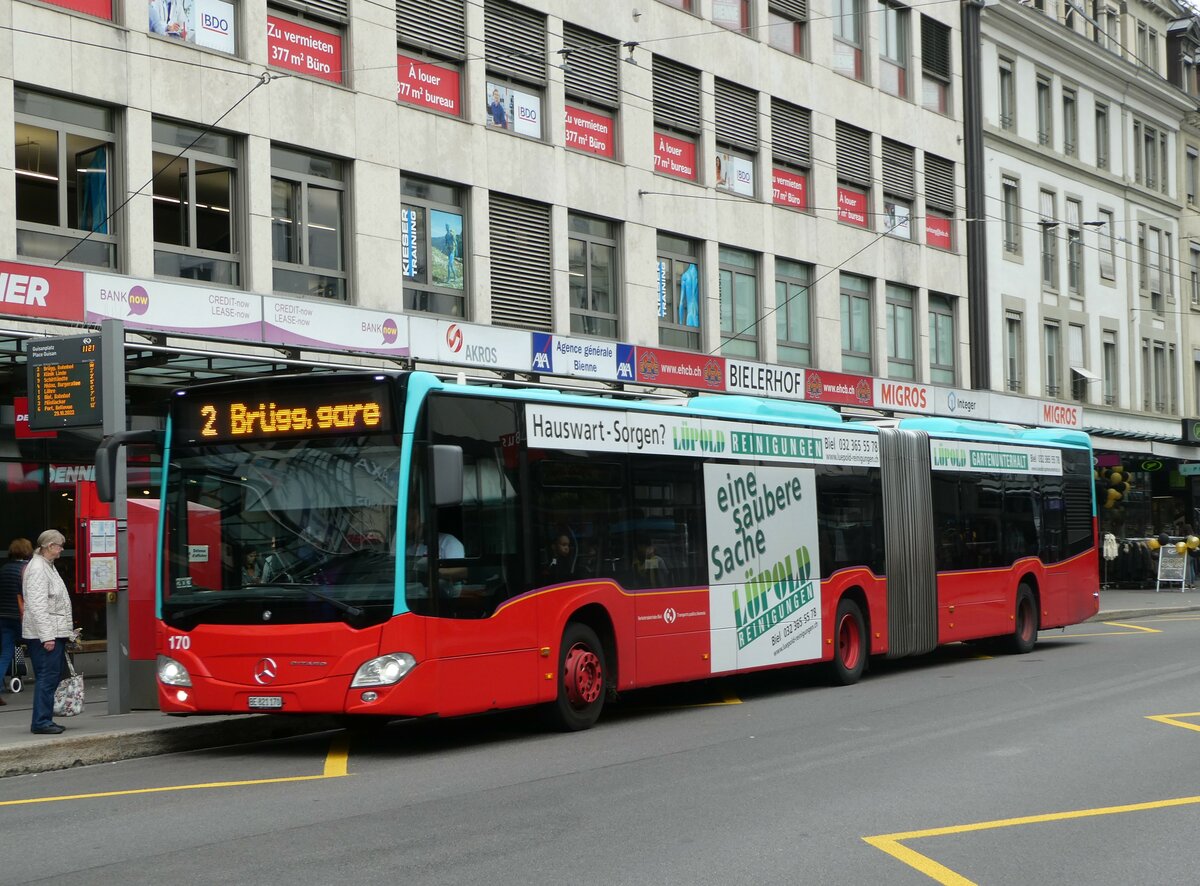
{"x": 64, "y": 382}
{"x": 285, "y": 408}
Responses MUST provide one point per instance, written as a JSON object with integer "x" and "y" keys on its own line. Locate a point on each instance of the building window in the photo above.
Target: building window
{"x": 1049, "y": 228}
{"x": 308, "y": 224}
{"x": 1193, "y": 172}
{"x": 1152, "y": 245}
{"x": 521, "y": 271}
{"x": 515, "y": 49}
{"x": 732, "y": 14}
{"x": 1109, "y": 345}
{"x": 793, "y": 312}
{"x": 1014, "y": 352}
{"x": 791, "y": 146}
{"x": 592, "y": 270}
{"x": 1194, "y": 276}
{"x": 592, "y": 83}
{"x": 1007, "y": 90}
{"x": 685, "y": 5}
{"x": 1160, "y": 376}
{"x": 306, "y": 43}
{"x": 1150, "y": 156}
{"x": 1102, "y": 136}
{"x": 1105, "y": 234}
{"x": 848, "y": 38}
{"x": 1147, "y": 379}
{"x": 437, "y": 30}
{"x": 787, "y": 24}
{"x": 676, "y": 99}
{"x": 1052, "y": 344}
{"x": 854, "y": 175}
{"x": 935, "y": 65}
{"x": 433, "y": 238}
{"x": 195, "y": 204}
{"x": 893, "y": 50}
{"x": 899, "y": 188}
{"x": 737, "y": 137}
{"x": 939, "y": 202}
{"x": 901, "y": 332}
{"x": 179, "y": 21}
{"x": 1080, "y": 375}
{"x": 1070, "y": 108}
{"x": 738, "y": 277}
{"x": 63, "y": 153}
{"x": 1045, "y": 132}
{"x": 941, "y": 340}
{"x": 680, "y": 304}
{"x": 1012, "y": 215}
{"x": 856, "y": 323}
{"x": 1074, "y": 247}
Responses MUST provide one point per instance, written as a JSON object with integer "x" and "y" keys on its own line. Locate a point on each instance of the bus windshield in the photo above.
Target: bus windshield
{"x": 282, "y": 531}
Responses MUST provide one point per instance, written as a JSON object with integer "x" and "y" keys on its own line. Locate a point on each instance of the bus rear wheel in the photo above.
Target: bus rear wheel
{"x": 850, "y": 644}
{"x": 1025, "y": 623}
{"x": 582, "y": 673}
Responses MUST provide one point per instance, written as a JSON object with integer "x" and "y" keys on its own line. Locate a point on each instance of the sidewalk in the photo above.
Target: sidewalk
{"x": 95, "y": 736}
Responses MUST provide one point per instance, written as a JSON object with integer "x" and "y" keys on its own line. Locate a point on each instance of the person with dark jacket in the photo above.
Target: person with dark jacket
{"x": 11, "y": 608}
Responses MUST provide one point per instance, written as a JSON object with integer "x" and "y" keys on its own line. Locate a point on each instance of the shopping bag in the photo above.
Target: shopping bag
{"x": 68, "y": 697}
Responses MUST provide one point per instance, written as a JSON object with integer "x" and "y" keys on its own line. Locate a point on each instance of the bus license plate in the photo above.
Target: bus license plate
{"x": 267, "y": 702}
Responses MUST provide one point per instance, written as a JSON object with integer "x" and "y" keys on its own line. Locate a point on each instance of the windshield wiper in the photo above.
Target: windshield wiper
{"x": 352, "y": 611}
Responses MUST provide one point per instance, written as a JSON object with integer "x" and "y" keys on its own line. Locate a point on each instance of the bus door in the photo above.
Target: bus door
{"x": 912, "y": 589}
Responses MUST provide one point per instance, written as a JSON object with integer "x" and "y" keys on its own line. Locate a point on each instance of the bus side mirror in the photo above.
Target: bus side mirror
{"x": 446, "y": 470}
{"x": 106, "y": 458}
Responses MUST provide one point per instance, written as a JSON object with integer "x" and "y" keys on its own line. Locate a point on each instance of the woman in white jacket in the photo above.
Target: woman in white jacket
{"x": 46, "y": 626}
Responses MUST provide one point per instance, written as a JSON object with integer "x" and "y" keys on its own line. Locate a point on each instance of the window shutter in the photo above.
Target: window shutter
{"x": 737, "y": 115}
{"x": 791, "y": 133}
{"x": 797, "y": 9}
{"x": 676, "y": 95}
{"x": 329, "y": 10}
{"x": 935, "y": 48}
{"x": 854, "y": 155}
{"x": 520, "y": 246}
{"x": 592, "y": 67}
{"x": 435, "y": 25}
{"x": 899, "y": 177}
{"x": 939, "y": 183}
{"x": 515, "y": 42}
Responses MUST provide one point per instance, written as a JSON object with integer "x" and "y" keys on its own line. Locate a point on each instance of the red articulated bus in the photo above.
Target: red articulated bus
{"x": 392, "y": 544}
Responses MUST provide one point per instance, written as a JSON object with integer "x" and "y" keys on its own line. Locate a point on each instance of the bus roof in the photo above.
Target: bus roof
{"x": 957, "y": 428}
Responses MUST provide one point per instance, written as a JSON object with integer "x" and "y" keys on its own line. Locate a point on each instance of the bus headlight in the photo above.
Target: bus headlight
{"x": 172, "y": 673}
{"x": 383, "y": 671}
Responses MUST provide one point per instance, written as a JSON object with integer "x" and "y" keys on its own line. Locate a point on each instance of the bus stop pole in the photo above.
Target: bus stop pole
{"x": 112, "y": 401}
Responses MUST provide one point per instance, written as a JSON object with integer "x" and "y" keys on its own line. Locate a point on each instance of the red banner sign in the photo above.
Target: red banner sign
{"x": 676, "y": 369}
{"x": 789, "y": 189}
{"x": 675, "y": 156}
{"x": 21, "y": 429}
{"x": 937, "y": 231}
{"x": 98, "y": 8}
{"x": 838, "y": 387}
{"x": 852, "y": 206}
{"x": 427, "y": 85}
{"x": 590, "y": 132}
{"x": 47, "y": 293}
{"x": 303, "y": 49}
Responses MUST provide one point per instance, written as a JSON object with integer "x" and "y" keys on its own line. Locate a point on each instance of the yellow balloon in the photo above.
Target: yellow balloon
{"x": 1115, "y": 477}
{"x": 1181, "y": 547}
{"x": 1113, "y": 495}
{"x": 1193, "y": 542}
{"x": 1109, "y": 505}
{"x": 1153, "y": 544}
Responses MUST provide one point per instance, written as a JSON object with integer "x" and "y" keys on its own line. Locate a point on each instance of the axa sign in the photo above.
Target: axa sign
{"x": 45, "y": 293}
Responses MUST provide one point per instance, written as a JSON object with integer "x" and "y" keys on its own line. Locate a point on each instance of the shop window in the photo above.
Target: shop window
{"x": 738, "y": 278}
{"x": 856, "y": 324}
{"x": 680, "y": 303}
{"x": 63, "y": 157}
{"x": 308, "y": 224}
{"x": 433, "y": 242}
{"x": 793, "y": 312}
{"x": 515, "y": 48}
{"x": 432, "y": 41}
{"x": 307, "y": 37}
{"x": 592, "y": 271}
{"x": 196, "y": 209}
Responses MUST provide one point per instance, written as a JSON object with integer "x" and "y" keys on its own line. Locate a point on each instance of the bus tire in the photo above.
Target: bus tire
{"x": 849, "y": 644}
{"x": 582, "y": 673}
{"x": 1025, "y": 623}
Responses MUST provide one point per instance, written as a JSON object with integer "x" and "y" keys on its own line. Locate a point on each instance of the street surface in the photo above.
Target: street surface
{"x": 955, "y": 768}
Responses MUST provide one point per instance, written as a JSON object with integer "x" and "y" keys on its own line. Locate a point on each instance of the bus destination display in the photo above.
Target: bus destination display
{"x": 265, "y": 414}
{"x": 64, "y": 383}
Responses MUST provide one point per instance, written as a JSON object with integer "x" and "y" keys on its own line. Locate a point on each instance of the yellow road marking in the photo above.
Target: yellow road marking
{"x": 1170, "y": 720}
{"x": 1133, "y": 629}
{"x": 729, "y": 698}
{"x": 891, "y": 843}
{"x": 335, "y": 767}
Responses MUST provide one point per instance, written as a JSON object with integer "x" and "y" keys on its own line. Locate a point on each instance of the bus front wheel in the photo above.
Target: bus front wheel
{"x": 850, "y": 644}
{"x": 582, "y": 673}
{"x": 1025, "y": 623}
